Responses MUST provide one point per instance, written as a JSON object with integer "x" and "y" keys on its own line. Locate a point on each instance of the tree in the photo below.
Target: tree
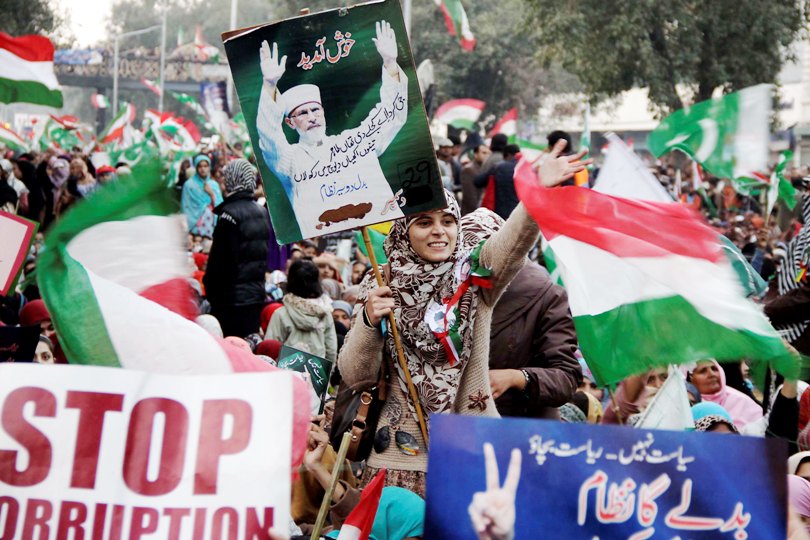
{"x": 21, "y": 17}
{"x": 501, "y": 71}
{"x": 667, "y": 45}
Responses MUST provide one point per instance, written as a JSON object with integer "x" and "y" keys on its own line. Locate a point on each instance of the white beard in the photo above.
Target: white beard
{"x": 313, "y": 136}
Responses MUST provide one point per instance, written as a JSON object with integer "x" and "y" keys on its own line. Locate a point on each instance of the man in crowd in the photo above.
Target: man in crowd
{"x": 470, "y": 193}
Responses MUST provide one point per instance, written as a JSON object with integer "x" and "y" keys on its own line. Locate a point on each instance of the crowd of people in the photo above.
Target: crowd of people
{"x": 507, "y": 348}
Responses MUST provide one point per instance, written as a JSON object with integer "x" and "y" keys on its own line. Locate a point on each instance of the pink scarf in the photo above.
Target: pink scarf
{"x": 743, "y": 410}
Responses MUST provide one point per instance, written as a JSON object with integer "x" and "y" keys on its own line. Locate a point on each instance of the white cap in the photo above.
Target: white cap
{"x": 298, "y": 95}
{"x": 6, "y": 165}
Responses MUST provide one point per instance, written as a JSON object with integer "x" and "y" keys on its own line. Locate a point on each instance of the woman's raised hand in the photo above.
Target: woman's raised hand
{"x": 554, "y": 169}
{"x": 379, "y": 304}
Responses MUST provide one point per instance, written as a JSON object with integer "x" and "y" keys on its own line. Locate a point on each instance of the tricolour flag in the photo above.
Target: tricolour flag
{"x": 625, "y": 175}
{"x": 460, "y": 113}
{"x": 360, "y": 521}
{"x": 455, "y": 18}
{"x": 26, "y": 71}
{"x": 99, "y": 101}
{"x": 728, "y": 136}
{"x": 648, "y": 284}
{"x": 11, "y": 140}
{"x": 114, "y": 276}
{"x": 506, "y": 125}
{"x": 115, "y": 130}
{"x": 194, "y": 105}
{"x": 152, "y": 86}
{"x": 173, "y": 132}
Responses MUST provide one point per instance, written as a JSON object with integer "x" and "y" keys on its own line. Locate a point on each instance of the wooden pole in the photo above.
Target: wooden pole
{"x": 615, "y": 405}
{"x": 392, "y": 326}
{"x": 340, "y": 460}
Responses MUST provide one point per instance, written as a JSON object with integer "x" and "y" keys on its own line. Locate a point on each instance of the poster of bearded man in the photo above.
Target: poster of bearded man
{"x": 334, "y": 110}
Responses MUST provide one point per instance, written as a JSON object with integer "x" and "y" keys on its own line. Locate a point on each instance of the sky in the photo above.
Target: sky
{"x": 87, "y": 19}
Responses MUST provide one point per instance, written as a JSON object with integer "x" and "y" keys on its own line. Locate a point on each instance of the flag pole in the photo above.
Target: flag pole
{"x": 162, "y": 58}
{"x": 392, "y": 323}
{"x": 615, "y": 404}
{"x": 340, "y": 460}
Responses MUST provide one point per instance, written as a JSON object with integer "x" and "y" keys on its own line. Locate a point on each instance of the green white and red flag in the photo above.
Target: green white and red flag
{"x": 455, "y": 19}
{"x": 152, "y": 86}
{"x": 99, "y": 101}
{"x": 11, "y": 140}
{"x": 26, "y": 71}
{"x": 460, "y": 113}
{"x": 360, "y": 521}
{"x": 193, "y": 104}
{"x": 114, "y": 276}
{"x": 114, "y": 132}
{"x": 507, "y": 125}
{"x": 173, "y": 132}
{"x": 648, "y": 283}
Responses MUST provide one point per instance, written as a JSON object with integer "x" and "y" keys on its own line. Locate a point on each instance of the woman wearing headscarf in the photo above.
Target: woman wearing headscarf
{"x": 234, "y": 275}
{"x": 799, "y": 464}
{"x": 305, "y": 322}
{"x": 27, "y": 172}
{"x": 80, "y": 175}
{"x": 201, "y": 194}
{"x": 439, "y": 262}
{"x": 799, "y": 498}
{"x": 712, "y": 417}
{"x": 710, "y": 380}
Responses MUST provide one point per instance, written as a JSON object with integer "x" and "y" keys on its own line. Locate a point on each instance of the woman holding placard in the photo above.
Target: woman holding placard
{"x": 445, "y": 274}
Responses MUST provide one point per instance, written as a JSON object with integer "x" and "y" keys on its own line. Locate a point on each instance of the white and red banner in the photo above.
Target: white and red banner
{"x": 93, "y": 452}
{"x": 17, "y": 234}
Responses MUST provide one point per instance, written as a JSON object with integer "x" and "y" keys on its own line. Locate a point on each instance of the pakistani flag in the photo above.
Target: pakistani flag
{"x": 728, "y": 136}
{"x": 648, "y": 283}
{"x": 780, "y": 187}
{"x": 585, "y": 138}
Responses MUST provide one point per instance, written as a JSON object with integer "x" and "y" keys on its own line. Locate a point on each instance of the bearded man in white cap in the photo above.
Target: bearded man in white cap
{"x": 330, "y": 179}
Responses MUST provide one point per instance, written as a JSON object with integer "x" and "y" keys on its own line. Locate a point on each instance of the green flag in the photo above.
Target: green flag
{"x": 780, "y": 187}
{"x": 727, "y": 136}
{"x": 377, "y": 238}
{"x": 319, "y": 369}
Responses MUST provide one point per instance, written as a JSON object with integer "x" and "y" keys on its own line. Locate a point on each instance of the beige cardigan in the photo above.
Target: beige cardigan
{"x": 359, "y": 359}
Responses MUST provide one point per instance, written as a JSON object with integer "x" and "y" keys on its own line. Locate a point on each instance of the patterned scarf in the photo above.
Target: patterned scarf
{"x": 239, "y": 176}
{"x": 789, "y": 274}
{"x": 420, "y": 289}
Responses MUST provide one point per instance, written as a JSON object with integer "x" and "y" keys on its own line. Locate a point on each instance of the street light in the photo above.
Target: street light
{"x": 115, "y": 58}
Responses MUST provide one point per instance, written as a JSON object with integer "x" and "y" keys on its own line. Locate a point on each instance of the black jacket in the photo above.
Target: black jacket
{"x": 238, "y": 258}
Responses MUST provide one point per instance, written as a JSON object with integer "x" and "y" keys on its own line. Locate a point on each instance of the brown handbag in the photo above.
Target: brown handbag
{"x": 358, "y": 412}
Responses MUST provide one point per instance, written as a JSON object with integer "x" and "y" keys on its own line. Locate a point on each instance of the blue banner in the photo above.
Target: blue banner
{"x": 573, "y": 481}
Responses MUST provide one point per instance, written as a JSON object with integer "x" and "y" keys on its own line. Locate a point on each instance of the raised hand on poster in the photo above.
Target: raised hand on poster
{"x": 272, "y": 67}
{"x": 554, "y": 169}
{"x": 386, "y": 43}
{"x": 492, "y": 512}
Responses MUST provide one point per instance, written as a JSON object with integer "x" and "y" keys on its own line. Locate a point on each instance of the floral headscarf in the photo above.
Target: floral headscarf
{"x": 420, "y": 289}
